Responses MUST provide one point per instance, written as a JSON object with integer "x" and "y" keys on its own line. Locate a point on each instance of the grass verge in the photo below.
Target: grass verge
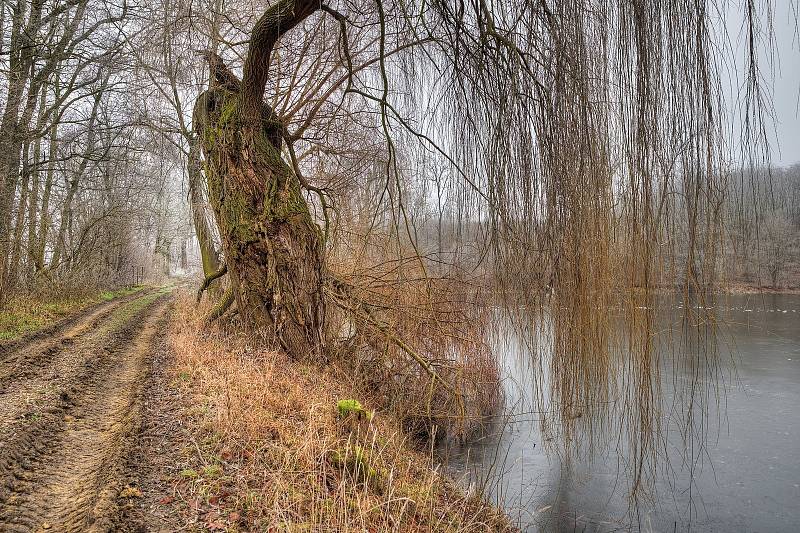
{"x": 277, "y": 445}
{"x": 21, "y": 316}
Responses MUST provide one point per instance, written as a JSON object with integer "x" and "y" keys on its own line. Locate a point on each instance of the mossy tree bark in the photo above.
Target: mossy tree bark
{"x": 200, "y": 217}
{"x": 273, "y": 247}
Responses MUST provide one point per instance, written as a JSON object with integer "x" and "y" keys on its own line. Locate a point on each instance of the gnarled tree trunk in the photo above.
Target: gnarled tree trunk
{"x": 273, "y": 247}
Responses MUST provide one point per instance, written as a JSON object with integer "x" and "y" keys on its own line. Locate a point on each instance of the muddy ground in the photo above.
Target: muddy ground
{"x": 74, "y": 415}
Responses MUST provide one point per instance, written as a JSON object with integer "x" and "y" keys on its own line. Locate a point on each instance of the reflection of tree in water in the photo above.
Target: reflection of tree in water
{"x": 640, "y": 419}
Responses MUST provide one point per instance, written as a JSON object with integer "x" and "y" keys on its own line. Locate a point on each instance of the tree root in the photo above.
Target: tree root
{"x": 209, "y": 279}
{"x": 222, "y": 306}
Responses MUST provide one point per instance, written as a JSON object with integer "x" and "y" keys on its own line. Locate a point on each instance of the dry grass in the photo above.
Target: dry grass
{"x": 415, "y": 336}
{"x": 22, "y": 315}
{"x": 272, "y": 453}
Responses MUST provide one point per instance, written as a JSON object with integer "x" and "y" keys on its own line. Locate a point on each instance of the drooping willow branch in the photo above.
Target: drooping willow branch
{"x": 556, "y": 121}
{"x": 342, "y": 295}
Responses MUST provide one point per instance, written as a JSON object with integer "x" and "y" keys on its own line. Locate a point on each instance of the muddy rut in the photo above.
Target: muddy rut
{"x": 70, "y": 408}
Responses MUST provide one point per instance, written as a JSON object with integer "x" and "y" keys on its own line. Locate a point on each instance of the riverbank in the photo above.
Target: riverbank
{"x": 273, "y": 444}
{"x": 757, "y": 289}
{"x": 728, "y": 288}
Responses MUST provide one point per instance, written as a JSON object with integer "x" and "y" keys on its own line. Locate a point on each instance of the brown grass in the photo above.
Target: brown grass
{"x": 272, "y": 453}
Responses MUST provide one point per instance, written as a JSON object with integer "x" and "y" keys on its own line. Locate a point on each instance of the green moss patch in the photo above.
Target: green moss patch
{"x": 189, "y": 473}
{"x": 352, "y": 408}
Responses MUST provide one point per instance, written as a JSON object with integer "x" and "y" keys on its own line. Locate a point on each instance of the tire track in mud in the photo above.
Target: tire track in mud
{"x": 30, "y": 376}
{"x": 17, "y": 358}
{"x": 69, "y": 417}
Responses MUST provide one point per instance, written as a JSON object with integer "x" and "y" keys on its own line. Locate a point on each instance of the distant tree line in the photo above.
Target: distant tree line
{"x": 763, "y": 228}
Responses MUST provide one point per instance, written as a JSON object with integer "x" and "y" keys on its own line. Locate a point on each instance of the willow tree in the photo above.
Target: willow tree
{"x": 588, "y": 140}
{"x": 273, "y": 247}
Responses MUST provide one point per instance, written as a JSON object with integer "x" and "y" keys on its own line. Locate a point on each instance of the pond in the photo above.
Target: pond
{"x": 742, "y": 469}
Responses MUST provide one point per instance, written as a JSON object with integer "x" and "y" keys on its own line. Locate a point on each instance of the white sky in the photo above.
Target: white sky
{"x": 781, "y": 72}
{"x": 787, "y": 86}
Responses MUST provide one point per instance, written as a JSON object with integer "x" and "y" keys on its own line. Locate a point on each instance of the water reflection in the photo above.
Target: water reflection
{"x": 736, "y": 469}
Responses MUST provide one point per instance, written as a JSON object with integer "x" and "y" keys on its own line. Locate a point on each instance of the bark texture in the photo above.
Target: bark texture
{"x": 273, "y": 247}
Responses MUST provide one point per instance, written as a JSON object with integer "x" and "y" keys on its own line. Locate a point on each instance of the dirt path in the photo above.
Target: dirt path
{"x": 70, "y": 409}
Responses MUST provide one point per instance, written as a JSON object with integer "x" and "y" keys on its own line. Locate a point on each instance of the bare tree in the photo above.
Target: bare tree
{"x": 380, "y": 164}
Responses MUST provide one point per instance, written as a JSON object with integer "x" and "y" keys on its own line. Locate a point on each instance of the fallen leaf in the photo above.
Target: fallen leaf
{"x": 130, "y": 492}
{"x": 234, "y": 517}
{"x": 166, "y": 500}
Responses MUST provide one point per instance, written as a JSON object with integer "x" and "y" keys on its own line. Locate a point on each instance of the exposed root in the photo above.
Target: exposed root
{"x": 342, "y": 296}
{"x": 210, "y": 279}
{"x": 222, "y": 306}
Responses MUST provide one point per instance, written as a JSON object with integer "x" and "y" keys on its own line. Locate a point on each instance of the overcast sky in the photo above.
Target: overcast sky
{"x": 784, "y": 81}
